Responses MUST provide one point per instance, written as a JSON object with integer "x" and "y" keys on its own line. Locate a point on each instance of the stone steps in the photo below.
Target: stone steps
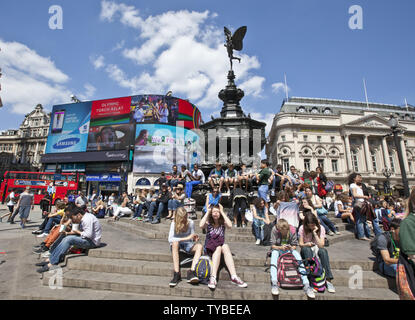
{"x": 156, "y": 285}
{"x": 161, "y": 232}
{"x": 68, "y": 293}
{"x": 165, "y": 226}
{"x": 366, "y": 265}
{"x": 248, "y": 274}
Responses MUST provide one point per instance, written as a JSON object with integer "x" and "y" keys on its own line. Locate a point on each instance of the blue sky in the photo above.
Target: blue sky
{"x": 118, "y": 48}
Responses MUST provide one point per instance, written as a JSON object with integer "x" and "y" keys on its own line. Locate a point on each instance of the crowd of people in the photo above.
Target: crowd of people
{"x": 299, "y": 205}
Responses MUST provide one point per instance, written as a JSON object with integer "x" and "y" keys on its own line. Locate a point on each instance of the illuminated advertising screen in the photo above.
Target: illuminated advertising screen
{"x": 69, "y": 127}
{"x": 189, "y": 115}
{"x": 158, "y": 147}
{"x": 111, "y": 127}
{"x": 155, "y": 109}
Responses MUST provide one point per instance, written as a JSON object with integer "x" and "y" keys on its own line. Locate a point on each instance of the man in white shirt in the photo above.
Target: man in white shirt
{"x": 197, "y": 177}
{"x": 10, "y": 204}
{"x": 88, "y": 237}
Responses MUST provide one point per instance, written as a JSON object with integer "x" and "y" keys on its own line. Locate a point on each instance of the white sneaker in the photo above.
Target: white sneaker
{"x": 330, "y": 287}
{"x": 45, "y": 254}
{"x": 274, "y": 290}
{"x": 258, "y": 242}
{"x": 309, "y": 292}
{"x": 42, "y": 235}
{"x": 212, "y": 282}
{"x": 331, "y": 233}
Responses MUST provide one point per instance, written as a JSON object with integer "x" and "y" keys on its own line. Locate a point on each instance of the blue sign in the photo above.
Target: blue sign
{"x": 69, "y": 128}
{"x": 103, "y": 177}
{"x": 143, "y": 182}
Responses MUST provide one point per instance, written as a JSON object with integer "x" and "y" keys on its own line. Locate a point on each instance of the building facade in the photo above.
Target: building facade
{"x": 22, "y": 148}
{"x": 342, "y": 137}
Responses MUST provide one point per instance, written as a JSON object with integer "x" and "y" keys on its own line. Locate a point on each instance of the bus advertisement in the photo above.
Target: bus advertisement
{"x": 63, "y": 183}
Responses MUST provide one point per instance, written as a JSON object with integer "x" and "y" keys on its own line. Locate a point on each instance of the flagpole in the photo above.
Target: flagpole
{"x": 406, "y": 104}
{"x": 286, "y": 87}
{"x": 367, "y": 100}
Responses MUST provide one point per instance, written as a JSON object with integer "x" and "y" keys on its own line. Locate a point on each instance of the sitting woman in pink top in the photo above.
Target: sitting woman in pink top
{"x": 311, "y": 240}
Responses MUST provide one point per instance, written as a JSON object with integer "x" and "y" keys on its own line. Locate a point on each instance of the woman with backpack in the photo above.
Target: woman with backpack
{"x": 261, "y": 218}
{"x": 356, "y": 191}
{"x": 182, "y": 236}
{"x": 283, "y": 240}
{"x": 216, "y": 222}
{"x": 311, "y": 241}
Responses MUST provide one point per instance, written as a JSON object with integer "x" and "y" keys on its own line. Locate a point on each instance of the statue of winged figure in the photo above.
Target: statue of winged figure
{"x": 234, "y": 42}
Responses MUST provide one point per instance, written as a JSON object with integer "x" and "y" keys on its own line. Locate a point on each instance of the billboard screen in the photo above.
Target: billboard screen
{"x": 154, "y": 109}
{"x": 158, "y": 147}
{"x": 111, "y": 127}
{"x": 69, "y": 127}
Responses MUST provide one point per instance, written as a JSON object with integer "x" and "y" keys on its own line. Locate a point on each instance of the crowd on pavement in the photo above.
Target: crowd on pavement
{"x": 289, "y": 212}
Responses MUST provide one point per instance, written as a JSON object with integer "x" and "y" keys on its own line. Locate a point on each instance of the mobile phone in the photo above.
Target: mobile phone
{"x": 58, "y": 119}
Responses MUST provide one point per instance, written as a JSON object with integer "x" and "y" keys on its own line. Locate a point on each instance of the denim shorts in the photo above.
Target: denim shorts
{"x": 185, "y": 246}
{"x": 24, "y": 212}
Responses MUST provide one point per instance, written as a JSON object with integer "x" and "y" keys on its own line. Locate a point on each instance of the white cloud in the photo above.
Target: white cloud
{"x": 181, "y": 51}
{"x": 279, "y": 87}
{"x": 268, "y": 118}
{"x": 253, "y": 86}
{"x": 89, "y": 92}
{"x": 97, "y": 61}
{"x": 29, "y": 79}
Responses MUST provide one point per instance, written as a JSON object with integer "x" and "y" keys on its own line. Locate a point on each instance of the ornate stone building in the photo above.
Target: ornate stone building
{"x": 21, "y": 149}
{"x": 342, "y": 137}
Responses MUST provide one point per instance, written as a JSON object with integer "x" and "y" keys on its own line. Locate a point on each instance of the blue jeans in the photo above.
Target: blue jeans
{"x": 153, "y": 206}
{"x": 362, "y": 227}
{"x": 258, "y": 226}
{"x": 138, "y": 210}
{"x": 327, "y": 223}
{"x": 66, "y": 243}
{"x": 274, "y": 261}
{"x": 263, "y": 192}
{"x": 323, "y": 255}
{"x": 51, "y": 222}
{"x": 173, "y": 204}
{"x": 189, "y": 187}
{"x": 388, "y": 270}
{"x": 173, "y": 183}
{"x": 376, "y": 228}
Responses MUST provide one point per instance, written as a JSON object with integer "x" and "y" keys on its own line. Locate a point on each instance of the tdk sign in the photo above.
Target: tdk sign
{"x": 67, "y": 143}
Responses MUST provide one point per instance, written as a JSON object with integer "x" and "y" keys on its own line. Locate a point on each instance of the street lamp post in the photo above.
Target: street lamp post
{"x": 387, "y": 172}
{"x": 394, "y": 124}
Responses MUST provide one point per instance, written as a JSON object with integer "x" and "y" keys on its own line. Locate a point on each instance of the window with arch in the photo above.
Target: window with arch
{"x": 373, "y": 159}
{"x": 286, "y": 164}
{"x": 355, "y": 161}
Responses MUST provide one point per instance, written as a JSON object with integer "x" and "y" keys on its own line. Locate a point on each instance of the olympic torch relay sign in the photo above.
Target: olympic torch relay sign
{"x": 69, "y": 128}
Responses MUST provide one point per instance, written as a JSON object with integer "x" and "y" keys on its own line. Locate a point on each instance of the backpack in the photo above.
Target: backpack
{"x": 329, "y": 186}
{"x": 287, "y": 272}
{"x": 204, "y": 269}
{"x": 316, "y": 274}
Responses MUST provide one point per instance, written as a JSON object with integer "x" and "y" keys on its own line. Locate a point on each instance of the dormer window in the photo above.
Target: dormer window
{"x": 327, "y": 111}
{"x": 314, "y": 110}
{"x": 301, "y": 109}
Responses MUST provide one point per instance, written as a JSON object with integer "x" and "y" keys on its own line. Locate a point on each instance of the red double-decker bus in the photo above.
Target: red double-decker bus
{"x": 39, "y": 182}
